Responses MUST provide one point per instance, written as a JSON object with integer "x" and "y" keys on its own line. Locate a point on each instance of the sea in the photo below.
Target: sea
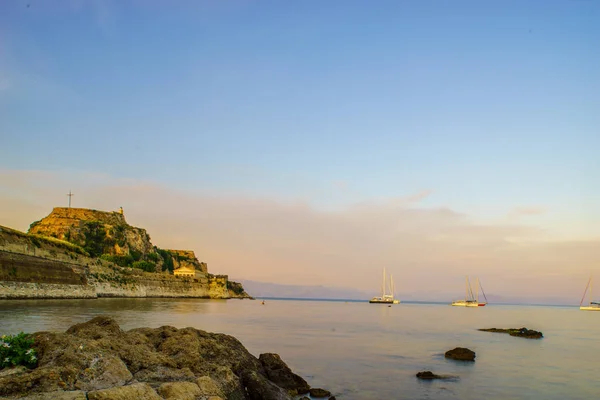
{"x": 367, "y": 351}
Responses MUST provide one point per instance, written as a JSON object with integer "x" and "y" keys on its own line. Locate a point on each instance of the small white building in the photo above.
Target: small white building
{"x": 185, "y": 271}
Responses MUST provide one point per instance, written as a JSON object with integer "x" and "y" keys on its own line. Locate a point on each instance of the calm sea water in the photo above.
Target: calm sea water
{"x": 370, "y": 351}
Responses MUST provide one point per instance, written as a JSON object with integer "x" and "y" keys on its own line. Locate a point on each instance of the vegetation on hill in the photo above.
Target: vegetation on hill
{"x": 108, "y": 236}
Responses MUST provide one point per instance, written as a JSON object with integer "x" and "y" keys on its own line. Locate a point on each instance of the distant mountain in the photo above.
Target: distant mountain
{"x": 267, "y": 289}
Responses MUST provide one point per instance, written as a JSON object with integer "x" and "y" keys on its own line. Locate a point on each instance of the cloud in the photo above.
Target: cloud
{"x": 340, "y": 185}
{"x": 428, "y": 250}
{"x": 526, "y": 211}
{"x": 415, "y": 198}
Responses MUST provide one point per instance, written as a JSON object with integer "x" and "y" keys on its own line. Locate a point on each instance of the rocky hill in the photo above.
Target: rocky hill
{"x": 107, "y": 257}
{"x": 104, "y": 234}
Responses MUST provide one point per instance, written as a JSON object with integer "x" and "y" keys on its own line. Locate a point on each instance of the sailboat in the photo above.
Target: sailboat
{"x": 471, "y": 300}
{"x": 386, "y": 298}
{"x": 592, "y": 305}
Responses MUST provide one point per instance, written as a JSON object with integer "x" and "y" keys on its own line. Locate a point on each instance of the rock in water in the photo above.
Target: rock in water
{"x": 523, "y": 332}
{"x": 461, "y": 354}
{"x": 427, "y": 375}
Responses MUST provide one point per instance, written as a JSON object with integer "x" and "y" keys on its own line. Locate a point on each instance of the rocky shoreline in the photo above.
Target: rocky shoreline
{"x": 97, "y": 360}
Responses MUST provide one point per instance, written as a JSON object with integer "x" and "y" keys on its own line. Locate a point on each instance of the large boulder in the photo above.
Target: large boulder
{"x": 228, "y": 382}
{"x": 102, "y": 373}
{"x": 160, "y": 373}
{"x": 99, "y": 358}
{"x": 39, "y": 380}
{"x": 96, "y": 328}
{"x": 260, "y": 388}
{"x": 179, "y": 391}
{"x": 137, "y": 391}
{"x": 461, "y": 354}
{"x": 278, "y": 372}
{"x": 208, "y": 387}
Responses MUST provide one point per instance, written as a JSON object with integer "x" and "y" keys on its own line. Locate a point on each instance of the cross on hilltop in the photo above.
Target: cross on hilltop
{"x": 70, "y": 195}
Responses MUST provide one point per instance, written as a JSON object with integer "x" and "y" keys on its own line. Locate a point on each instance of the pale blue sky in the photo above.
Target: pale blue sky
{"x": 491, "y": 105}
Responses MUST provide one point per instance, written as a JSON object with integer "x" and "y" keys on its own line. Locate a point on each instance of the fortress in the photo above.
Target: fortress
{"x": 82, "y": 252}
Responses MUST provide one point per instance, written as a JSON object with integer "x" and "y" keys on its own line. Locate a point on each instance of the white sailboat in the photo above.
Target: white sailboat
{"x": 471, "y": 300}
{"x": 385, "y": 298}
{"x": 592, "y": 305}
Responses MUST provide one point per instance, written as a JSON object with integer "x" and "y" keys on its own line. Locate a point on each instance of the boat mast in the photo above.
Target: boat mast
{"x": 477, "y": 297}
{"x": 383, "y": 285}
{"x": 588, "y": 286}
{"x": 483, "y": 293}
{"x": 470, "y": 295}
{"x": 467, "y": 288}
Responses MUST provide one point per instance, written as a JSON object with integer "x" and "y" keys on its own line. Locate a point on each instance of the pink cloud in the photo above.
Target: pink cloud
{"x": 429, "y": 250}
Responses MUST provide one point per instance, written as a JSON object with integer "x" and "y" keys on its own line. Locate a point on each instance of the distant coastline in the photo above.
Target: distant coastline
{"x": 423, "y": 302}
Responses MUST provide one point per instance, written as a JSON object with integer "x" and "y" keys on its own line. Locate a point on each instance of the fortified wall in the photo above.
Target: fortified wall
{"x": 187, "y": 258}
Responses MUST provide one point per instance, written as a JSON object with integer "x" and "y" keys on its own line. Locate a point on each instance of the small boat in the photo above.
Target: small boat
{"x": 385, "y": 298}
{"x": 471, "y": 300}
{"x": 592, "y": 305}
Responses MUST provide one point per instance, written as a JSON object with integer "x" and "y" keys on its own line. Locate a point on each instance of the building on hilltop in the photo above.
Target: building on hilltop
{"x": 187, "y": 271}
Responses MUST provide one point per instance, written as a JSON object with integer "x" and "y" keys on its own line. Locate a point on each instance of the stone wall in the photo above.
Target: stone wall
{"x": 187, "y": 258}
{"x": 25, "y": 268}
{"x": 158, "y": 285}
{"x": 31, "y": 290}
{"x": 217, "y": 287}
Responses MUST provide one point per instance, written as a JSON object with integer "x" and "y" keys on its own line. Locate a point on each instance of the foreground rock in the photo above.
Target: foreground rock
{"x": 279, "y": 373}
{"x": 523, "y": 332}
{"x": 318, "y": 392}
{"x": 97, "y": 360}
{"x": 461, "y": 354}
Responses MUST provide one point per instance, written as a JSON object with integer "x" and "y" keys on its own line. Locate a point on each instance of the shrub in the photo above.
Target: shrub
{"x": 168, "y": 260}
{"x": 16, "y": 350}
{"x": 137, "y": 255}
{"x": 122, "y": 261}
{"x": 152, "y": 257}
{"x": 145, "y": 266}
{"x": 35, "y": 241}
{"x": 235, "y": 287}
{"x": 34, "y": 223}
{"x": 95, "y": 236}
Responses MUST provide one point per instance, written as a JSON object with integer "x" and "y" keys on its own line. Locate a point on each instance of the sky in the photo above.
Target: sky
{"x": 317, "y": 142}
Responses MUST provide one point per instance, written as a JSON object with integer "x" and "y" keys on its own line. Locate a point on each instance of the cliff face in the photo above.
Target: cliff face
{"x": 97, "y": 232}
